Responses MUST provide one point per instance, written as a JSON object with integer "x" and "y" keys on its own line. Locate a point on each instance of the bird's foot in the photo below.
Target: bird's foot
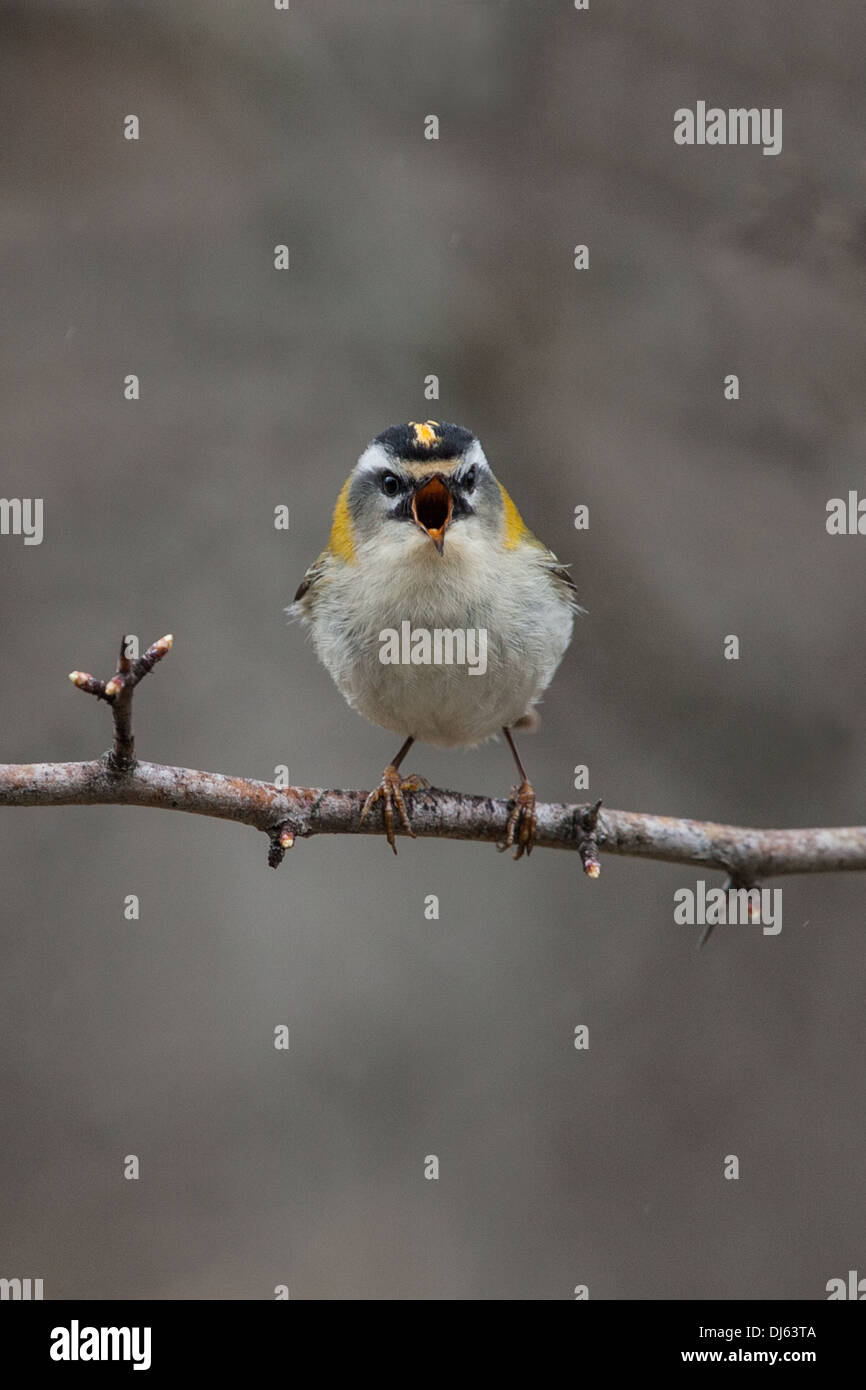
{"x": 390, "y": 792}
{"x": 522, "y": 821}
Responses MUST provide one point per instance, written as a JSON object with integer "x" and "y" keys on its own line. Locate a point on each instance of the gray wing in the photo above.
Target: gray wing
{"x": 305, "y": 597}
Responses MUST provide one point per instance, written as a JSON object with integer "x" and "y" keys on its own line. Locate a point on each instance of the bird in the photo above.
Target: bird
{"x": 429, "y": 557}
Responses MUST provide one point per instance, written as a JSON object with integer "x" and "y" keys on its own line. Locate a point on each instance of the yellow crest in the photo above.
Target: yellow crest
{"x": 425, "y": 434}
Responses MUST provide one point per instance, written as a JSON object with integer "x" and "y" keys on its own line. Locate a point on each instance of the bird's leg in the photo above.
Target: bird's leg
{"x": 522, "y": 820}
{"x": 390, "y": 792}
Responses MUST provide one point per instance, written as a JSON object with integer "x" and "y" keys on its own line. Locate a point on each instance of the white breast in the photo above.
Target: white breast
{"x": 508, "y": 594}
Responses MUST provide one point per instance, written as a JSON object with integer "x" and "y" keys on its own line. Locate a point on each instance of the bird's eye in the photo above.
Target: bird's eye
{"x": 469, "y": 479}
{"x": 390, "y": 484}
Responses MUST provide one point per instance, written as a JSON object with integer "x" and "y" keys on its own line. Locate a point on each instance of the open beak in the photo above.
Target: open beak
{"x": 432, "y": 505}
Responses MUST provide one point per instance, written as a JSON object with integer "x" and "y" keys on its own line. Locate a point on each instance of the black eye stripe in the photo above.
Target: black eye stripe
{"x": 468, "y": 492}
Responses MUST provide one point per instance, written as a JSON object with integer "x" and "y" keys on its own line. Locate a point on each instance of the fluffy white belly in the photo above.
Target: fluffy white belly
{"x": 526, "y": 622}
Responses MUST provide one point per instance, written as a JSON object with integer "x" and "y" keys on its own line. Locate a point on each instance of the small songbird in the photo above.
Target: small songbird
{"x": 437, "y": 612}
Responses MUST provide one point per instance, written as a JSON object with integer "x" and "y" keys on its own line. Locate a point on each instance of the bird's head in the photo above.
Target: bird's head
{"x": 428, "y": 480}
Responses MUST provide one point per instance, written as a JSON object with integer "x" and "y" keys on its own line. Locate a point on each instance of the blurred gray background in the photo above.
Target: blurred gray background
{"x": 411, "y": 257}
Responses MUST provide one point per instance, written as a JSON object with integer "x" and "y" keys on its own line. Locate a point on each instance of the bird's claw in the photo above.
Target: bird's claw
{"x": 522, "y": 821}
{"x": 390, "y": 792}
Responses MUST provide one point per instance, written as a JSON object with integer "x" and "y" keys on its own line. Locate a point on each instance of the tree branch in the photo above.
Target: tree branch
{"x": 118, "y": 692}
{"x": 284, "y": 814}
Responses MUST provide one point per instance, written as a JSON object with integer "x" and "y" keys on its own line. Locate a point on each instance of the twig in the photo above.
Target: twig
{"x": 285, "y": 814}
{"x": 118, "y": 692}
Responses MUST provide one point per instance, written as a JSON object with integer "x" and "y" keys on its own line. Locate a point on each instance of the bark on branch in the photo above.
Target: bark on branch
{"x": 284, "y": 814}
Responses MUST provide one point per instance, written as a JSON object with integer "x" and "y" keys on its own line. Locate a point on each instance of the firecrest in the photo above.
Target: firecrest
{"x": 435, "y": 609}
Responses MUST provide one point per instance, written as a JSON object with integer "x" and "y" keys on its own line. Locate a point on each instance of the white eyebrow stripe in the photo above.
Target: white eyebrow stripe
{"x": 475, "y": 455}
{"x": 374, "y": 458}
